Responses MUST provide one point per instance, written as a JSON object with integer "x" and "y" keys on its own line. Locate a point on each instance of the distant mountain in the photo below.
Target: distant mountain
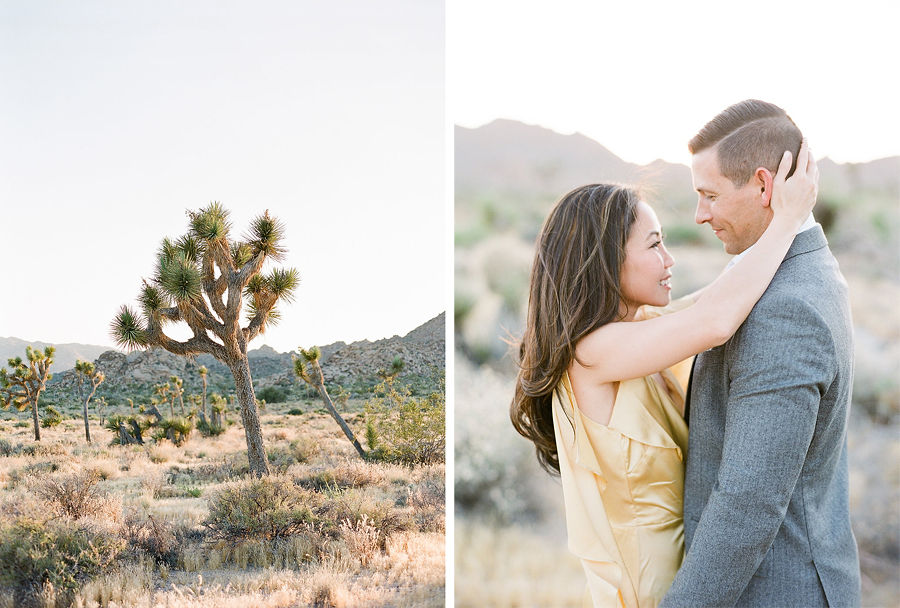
{"x": 422, "y": 350}
{"x": 506, "y": 158}
{"x": 65, "y": 356}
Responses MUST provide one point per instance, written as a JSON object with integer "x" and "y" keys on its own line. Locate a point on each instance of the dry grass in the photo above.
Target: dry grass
{"x": 376, "y": 547}
{"x": 513, "y": 567}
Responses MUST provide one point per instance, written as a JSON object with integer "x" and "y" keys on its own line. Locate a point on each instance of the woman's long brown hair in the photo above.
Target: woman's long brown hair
{"x": 574, "y": 290}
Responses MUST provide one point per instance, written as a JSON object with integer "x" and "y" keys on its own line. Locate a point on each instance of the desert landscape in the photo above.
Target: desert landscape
{"x": 510, "y": 538}
{"x": 180, "y": 520}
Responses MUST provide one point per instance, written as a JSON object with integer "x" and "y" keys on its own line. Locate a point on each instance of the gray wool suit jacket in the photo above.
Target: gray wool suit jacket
{"x": 766, "y": 506}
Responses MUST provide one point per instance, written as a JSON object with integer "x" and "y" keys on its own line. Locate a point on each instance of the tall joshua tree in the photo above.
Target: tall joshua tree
{"x": 203, "y": 279}
{"x": 307, "y": 368}
{"x": 86, "y": 374}
{"x": 25, "y": 383}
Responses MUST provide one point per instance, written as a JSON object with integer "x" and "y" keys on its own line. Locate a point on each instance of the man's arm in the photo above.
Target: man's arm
{"x": 781, "y": 363}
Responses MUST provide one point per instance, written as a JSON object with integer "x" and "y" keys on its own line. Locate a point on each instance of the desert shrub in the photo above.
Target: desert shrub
{"x": 208, "y": 429}
{"x": 268, "y": 508}
{"x": 51, "y": 418}
{"x": 355, "y": 506}
{"x": 44, "y": 449}
{"x": 34, "y": 469}
{"x": 152, "y": 537}
{"x": 362, "y": 538}
{"x": 350, "y": 474}
{"x": 405, "y": 429}
{"x": 295, "y": 411}
{"x": 75, "y": 495}
{"x": 8, "y": 449}
{"x": 36, "y": 555}
{"x": 272, "y": 394}
{"x": 427, "y": 500}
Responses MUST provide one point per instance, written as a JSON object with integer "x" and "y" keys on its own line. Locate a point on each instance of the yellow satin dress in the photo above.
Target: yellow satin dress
{"x": 623, "y": 484}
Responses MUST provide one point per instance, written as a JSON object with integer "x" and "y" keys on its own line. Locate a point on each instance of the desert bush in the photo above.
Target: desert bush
{"x": 295, "y": 411}
{"x": 41, "y": 449}
{"x": 266, "y": 508}
{"x": 354, "y": 505}
{"x": 405, "y": 429}
{"x": 427, "y": 500}
{"x": 349, "y": 474}
{"x": 75, "y": 495}
{"x": 272, "y": 394}
{"x": 152, "y": 537}
{"x": 361, "y": 537}
{"x": 8, "y": 449}
{"x": 51, "y": 418}
{"x": 36, "y": 556}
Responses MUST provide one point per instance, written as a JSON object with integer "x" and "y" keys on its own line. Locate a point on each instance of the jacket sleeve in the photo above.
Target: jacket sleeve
{"x": 780, "y": 364}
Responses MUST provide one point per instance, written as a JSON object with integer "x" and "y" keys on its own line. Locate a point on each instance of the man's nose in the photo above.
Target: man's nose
{"x": 702, "y": 215}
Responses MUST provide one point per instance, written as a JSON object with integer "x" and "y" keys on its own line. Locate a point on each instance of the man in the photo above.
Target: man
{"x": 766, "y": 511}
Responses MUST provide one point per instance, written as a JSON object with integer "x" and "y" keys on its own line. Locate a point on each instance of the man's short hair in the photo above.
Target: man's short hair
{"x": 749, "y": 134}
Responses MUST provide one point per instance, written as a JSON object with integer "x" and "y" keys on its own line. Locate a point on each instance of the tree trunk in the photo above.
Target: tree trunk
{"x": 203, "y": 404}
{"x": 243, "y": 385}
{"x": 34, "y": 417}
{"x": 340, "y": 420}
{"x": 87, "y": 427}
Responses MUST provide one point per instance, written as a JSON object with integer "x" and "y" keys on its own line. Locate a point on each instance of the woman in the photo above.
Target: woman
{"x": 596, "y": 391}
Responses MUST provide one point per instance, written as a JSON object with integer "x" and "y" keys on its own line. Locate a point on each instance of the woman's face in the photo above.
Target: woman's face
{"x": 645, "y": 273}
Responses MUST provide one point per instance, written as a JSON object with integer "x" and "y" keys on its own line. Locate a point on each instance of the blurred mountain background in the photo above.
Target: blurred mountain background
{"x": 507, "y": 177}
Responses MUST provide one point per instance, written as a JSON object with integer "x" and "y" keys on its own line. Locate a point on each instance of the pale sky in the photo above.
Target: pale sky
{"x": 116, "y": 117}
{"x": 643, "y": 77}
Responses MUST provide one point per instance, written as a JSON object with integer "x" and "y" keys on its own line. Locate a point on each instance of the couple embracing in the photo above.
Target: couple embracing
{"x": 701, "y": 442}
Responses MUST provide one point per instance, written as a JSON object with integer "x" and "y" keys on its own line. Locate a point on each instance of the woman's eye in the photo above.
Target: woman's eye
{"x": 656, "y": 244}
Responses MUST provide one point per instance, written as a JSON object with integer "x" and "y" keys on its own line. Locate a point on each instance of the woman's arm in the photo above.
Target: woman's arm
{"x": 619, "y": 351}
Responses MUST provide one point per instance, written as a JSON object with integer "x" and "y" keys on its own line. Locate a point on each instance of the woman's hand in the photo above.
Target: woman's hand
{"x": 794, "y": 198}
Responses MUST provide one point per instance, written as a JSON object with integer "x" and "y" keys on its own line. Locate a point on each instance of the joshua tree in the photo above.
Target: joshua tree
{"x": 177, "y": 391}
{"x": 164, "y": 393}
{"x": 203, "y": 372}
{"x": 202, "y": 279}
{"x": 24, "y": 384}
{"x": 307, "y": 368}
{"x": 85, "y": 373}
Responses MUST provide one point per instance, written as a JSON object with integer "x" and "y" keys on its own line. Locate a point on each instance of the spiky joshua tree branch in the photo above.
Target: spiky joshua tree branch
{"x": 204, "y": 279}
{"x": 23, "y": 385}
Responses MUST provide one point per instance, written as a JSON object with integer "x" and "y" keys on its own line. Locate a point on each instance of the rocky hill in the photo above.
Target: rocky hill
{"x": 354, "y": 364}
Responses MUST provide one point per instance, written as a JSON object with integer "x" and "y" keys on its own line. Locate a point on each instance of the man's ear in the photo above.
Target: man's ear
{"x": 763, "y": 179}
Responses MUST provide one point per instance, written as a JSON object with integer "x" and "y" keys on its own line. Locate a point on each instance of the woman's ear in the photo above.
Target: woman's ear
{"x": 764, "y": 179}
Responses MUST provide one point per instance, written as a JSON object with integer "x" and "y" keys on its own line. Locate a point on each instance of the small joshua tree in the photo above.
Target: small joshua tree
{"x": 86, "y": 374}
{"x": 164, "y": 395}
{"x": 307, "y": 368}
{"x": 177, "y": 390}
{"x": 23, "y": 385}
{"x": 203, "y": 280}
{"x": 203, "y": 373}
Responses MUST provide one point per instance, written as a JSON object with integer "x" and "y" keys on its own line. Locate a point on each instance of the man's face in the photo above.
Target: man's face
{"x": 738, "y": 216}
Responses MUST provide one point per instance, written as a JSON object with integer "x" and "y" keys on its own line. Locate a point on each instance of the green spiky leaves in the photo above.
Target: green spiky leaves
{"x": 128, "y": 330}
{"x": 280, "y": 284}
{"x": 152, "y": 299}
{"x": 181, "y": 279}
{"x": 312, "y": 354}
{"x": 300, "y": 369}
{"x": 241, "y": 253}
{"x": 265, "y": 235}
{"x": 210, "y": 223}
